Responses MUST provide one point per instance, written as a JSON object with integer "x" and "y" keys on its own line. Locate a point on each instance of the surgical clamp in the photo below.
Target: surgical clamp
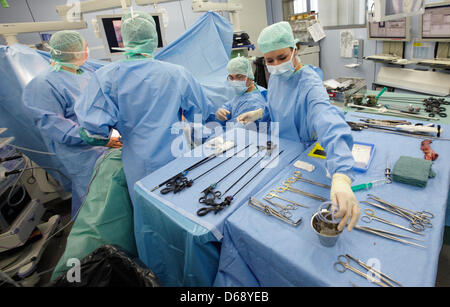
{"x": 413, "y": 223}
{"x": 287, "y": 187}
{"x": 253, "y": 202}
{"x": 273, "y": 194}
{"x": 422, "y": 217}
{"x": 298, "y": 176}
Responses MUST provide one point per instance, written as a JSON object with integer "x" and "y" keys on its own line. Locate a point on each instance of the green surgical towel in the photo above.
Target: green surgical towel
{"x": 412, "y": 171}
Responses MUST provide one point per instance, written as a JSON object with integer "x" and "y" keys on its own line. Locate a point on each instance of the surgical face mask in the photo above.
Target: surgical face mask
{"x": 284, "y": 69}
{"x": 239, "y": 87}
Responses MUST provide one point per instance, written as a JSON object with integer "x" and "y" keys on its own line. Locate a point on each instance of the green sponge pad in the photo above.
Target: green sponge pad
{"x": 412, "y": 171}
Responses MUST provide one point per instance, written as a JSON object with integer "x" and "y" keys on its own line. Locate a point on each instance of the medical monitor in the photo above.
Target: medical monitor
{"x": 392, "y": 30}
{"x": 435, "y": 22}
{"x": 110, "y": 30}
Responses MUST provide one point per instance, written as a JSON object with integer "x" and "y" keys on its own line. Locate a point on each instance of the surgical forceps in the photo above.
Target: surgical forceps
{"x": 370, "y": 215}
{"x": 388, "y": 235}
{"x": 343, "y": 264}
{"x": 272, "y": 194}
{"x": 253, "y": 202}
{"x": 383, "y": 277}
{"x": 287, "y": 187}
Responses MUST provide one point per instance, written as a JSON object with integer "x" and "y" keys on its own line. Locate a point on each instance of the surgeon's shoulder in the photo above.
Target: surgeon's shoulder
{"x": 40, "y": 82}
{"x": 170, "y": 67}
{"x": 108, "y": 70}
{"x": 309, "y": 74}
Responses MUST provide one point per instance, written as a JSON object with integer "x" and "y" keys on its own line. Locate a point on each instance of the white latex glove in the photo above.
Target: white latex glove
{"x": 222, "y": 114}
{"x": 251, "y": 116}
{"x": 342, "y": 194}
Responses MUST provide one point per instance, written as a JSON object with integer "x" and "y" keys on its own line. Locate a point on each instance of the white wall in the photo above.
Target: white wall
{"x": 253, "y": 19}
{"x": 180, "y": 13}
{"x": 333, "y": 65}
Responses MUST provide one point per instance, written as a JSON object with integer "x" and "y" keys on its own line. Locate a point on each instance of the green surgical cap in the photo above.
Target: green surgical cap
{"x": 240, "y": 65}
{"x": 139, "y": 32}
{"x": 66, "y": 46}
{"x": 276, "y": 36}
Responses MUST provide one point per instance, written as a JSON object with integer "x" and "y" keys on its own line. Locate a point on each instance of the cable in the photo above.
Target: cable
{"x": 8, "y": 279}
{"x": 182, "y": 15}
{"x": 31, "y": 150}
{"x": 79, "y": 209}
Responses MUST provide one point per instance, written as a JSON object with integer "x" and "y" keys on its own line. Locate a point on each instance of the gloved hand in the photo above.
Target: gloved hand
{"x": 114, "y": 142}
{"x": 342, "y": 194}
{"x": 222, "y": 114}
{"x": 251, "y": 116}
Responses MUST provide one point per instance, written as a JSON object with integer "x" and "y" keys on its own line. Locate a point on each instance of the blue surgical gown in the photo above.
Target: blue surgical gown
{"x": 142, "y": 99}
{"x": 301, "y": 107}
{"x": 245, "y": 103}
{"x": 51, "y": 97}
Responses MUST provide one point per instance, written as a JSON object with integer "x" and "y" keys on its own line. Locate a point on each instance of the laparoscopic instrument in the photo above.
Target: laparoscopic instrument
{"x": 181, "y": 177}
{"x": 209, "y": 195}
{"x": 216, "y": 207}
{"x": 175, "y": 188}
{"x": 417, "y": 131}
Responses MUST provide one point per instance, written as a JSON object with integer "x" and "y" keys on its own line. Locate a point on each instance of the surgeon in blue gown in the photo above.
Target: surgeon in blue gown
{"x": 248, "y": 94}
{"x": 300, "y": 104}
{"x": 142, "y": 98}
{"x": 51, "y": 97}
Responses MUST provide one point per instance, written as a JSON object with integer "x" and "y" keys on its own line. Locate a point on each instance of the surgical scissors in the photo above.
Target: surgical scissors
{"x": 273, "y": 194}
{"x": 343, "y": 264}
{"x": 370, "y": 215}
{"x": 413, "y": 223}
{"x": 420, "y": 217}
{"x": 383, "y": 277}
{"x": 287, "y": 187}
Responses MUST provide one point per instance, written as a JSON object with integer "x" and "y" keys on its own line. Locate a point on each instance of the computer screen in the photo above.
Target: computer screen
{"x": 436, "y": 23}
{"x": 111, "y": 31}
{"x": 389, "y": 30}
